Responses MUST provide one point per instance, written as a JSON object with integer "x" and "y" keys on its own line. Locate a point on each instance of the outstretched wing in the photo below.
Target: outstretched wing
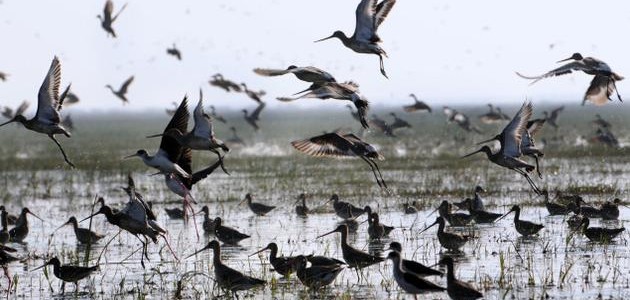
{"x": 179, "y": 121}
{"x": 599, "y": 90}
{"x": 513, "y": 132}
{"x": 562, "y": 70}
{"x": 125, "y": 86}
{"x": 202, "y": 174}
{"x": 256, "y": 113}
{"x": 203, "y": 123}
{"x": 270, "y": 72}
{"x": 48, "y": 97}
{"x": 329, "y": 144}
{"x": 382, "y": 10}
{"x": 365, "y": 27}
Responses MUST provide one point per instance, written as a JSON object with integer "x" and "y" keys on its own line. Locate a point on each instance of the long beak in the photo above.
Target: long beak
{"x": 503, "y": 216}
{"x": 330, "y": 37}
{"x": 434, "y": 265}
{"x": 325, "y": 234}
{"x": 433, "y": 211}
{"x": 40, "y": 267}
{"x": 423, "y": 230}
{"x": 7, "y": 122}
{"x": 570, "y": 58}
{"x": 89, "y": 217}
{"x": 261, "y": 250}
{"x": 130, "y": 156}
{"x": 34, "y": 215}
{"x": 155, "y": 135}
{"x": 64, "y": 224}
{"x": 197, "y": 252}
{"x": 486, "y": 141}
{"x": 467, "y": 155}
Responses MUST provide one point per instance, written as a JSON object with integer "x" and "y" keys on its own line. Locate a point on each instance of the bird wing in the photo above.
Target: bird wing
{"x": 382, "y": 10}
{"x": 125, "y": 86}
{"x": 256, "y": 113}
{"x": 534, "y": 126}
{"x": 108, "y": 10}
{"x": 555, "y": 112}
{"x": 513, "y": 132}
{"x": 22, "y": 108}
{"x": 135, "y": 209}
{"x": 118, "y": 14}
{"x": 270, "y": 72}
{"x": 329, "y": 144}
{"x": 203, "y": 123}
{"x": 179, "y": 121}
{"x": 365, "y": 27}
{"x": 202, "y": 174}
{"x": 599, "y": 90}
{"x": 185, "y": 161}
{"x": 562, "y": 70}
{"x": 48, "y": 97}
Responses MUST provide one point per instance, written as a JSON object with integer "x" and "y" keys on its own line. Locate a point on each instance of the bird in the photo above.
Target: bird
{"x": 344, "y": 209}
{"x": 341, "y": 91}
{"x": 601, "y": 87}
{"x": 229, "y": 86}
{"x": 409, "y": 281}
{"x": 457, "y": 289}
{"x": 369, "y": 16}
{"x": 355, "y": 114}
{"x": 68, "y": 123}
{"x": 253, "y": 118}
{"x": 553, "y": 117}
{"x": 208, "y": 224}
{"x": 122, "y": 92}
{"x": 308, "y": 74}
{"x": 417, "y": 105}
{"x": 235, "y": 139}
{"x": 215, "y": 116}
{"x": 410, "y": 208}
{"x": 254, "y": 95}
{"x": 84, "y": 235}
{"x": 494, "y": 115}
{"x": 71, "y": 98}
{"x": 3, "y": 76}
{"x": 165, "y": 159}
{"x": 510, "y": 139}
{"x": 258, "y": 209}
{"x": 476, "y": 201}
{"x": 376, "y": 230}
{"x": 342, "y": 145}
{"x": 226, "y": 277}
{"x": 454, "y": 116}
{"x": 398, "y": 122}
{"x": 525, "y": 228}
{"x": 454, "y": 219}
{"x": 315, "y": 276}
{"x": 68, "y": 273}
{"x": 555, "y": 209}
{"x": 174, "y": 52}
{"x": 354, "y": 258}
{"x": 610, "y": 210}
{"x": 6, "y": 258}
{"x": 481, "y": 216}
{"x": 283, "y": 265}
{"x": 20, "y": 231}
{"x": 301, "y": 210}
{"x": 8, "y": 113}
{"x": 381, "y": 125}
{"x": 107, "y": 20}
{"x": 10, "y": 218}
{"x": 450, "y": 241}
{"x": 49, "y": 103}
{"x": 411, "y": 266}
{"x": 599, "y": 234}
{"x": 374, "y": 220}
{"x": 227, "y": 235}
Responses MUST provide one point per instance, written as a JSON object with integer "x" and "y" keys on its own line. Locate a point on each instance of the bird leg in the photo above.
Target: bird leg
{"x": 168, "y": 245}
{"x": 380, "y": 57}
{"x": 221, "y": 160}
{"x": 529, "y": 180}
{"x": 378, "y": 181}
{"x": 6, "y": 273}
{"x": 52, "y": 137}
{"x": 616, "y": 90}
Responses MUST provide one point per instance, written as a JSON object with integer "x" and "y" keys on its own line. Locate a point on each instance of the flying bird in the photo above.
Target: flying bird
{"x": 107, "y": 20}
{"x": 417, "y": 105}
{"x": 253, "y": 94}
{"x": 122, "y": 92}
{"x": 253, "y": 117}
{"x": 454, "y": 116}
{"x": 229, "y": 86}
{"x": 3, "y": 76}
{"x": 8, "y": 113}
{"x": 174, "y": 52}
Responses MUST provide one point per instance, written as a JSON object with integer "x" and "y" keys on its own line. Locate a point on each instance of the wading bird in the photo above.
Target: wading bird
{"x": 525, "y": 228}
{"x": 342, "y": 145}
{"x": 417, "y": 105}
{"x": 227, "y": 235}
{"x": 600, "y": 122}
{"x": 552, "y": 118}
{"x": 284, "y": 265}
{"x": 381, "y": 125}
{"x": 258, "y": 209}
{"x": 409, "y": 281}
{"x": 450, "y": 241}
{"x": 603, "y": 84}
{"x": 122, "y": 92}
{"x": 354, "y": 258}
{"x": 84, "y": 235}
{"x": 68, "y": 273}
{"x": 315, "y": 276}
{"x": 174, "y": 52}
{"x": 8, "y": 113}
{"x": 253, "y": 118}
{"x": 49, "y": 103}
{"x": 3, "y": 76}
{"x": 599, "y": 234}
{"x": 20, "y": 231}
{"x": 528, "y": 146}
{"x": 493, "y": 116}
{"x": 457, "y": 289}
{"x": 412, "y": 266}
{"x": 345, "y": 210}
{"x": 301, "y": 209}
{"x": 398, "y": 122}
{"x": 369, "y": 16}
{"x": 107, "y": 20}
{"x": 215, "y": 116}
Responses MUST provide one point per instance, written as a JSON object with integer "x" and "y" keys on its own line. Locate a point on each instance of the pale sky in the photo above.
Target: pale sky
{"x": 444, "y": 51}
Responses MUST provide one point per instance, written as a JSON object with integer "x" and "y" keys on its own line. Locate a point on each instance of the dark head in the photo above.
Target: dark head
{"x": 28, "y": 211}
{"x": 393, "y": 255}
{"x": 217, "y": 221}
{"x": 139, "y": 153}
{"x": 484, "y": 149}
{"x": 18, "y": 118}
{"x": 291, "y": 67}
{"x": 333, "y": 198}
{"x": 438, "y": 220}
{"x": 395, "y": 246}
{"x": 374, "y": 217}
{"x": 72, "y": 220}
{"x": 575, "y": 56}
{"x": 585, "y": 222}
{"x": 368, "y": 210}
{"x": 271, "y": 246}
{"x": 343, "y": 229}
{"x": 337, "y": 34}
{"x": 53, "y": 261}
{"x": 446, "y": 261}
{"x": 514, "y": 208}
{"x": 204, "y": 210}
{"x": 479, "y": 189}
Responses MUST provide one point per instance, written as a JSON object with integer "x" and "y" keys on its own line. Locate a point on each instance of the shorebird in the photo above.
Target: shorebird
{"x": 174, "y": 52}
{"x": 381, "y": 125}
{"x": 136, "y": 198}
{"x": 342, "y": 145}
{"x": 376, "y": 230}
{"x": 344, "y": 209}
{"x": 227, "y": 235}
{"x": 369, "y": 16}
{"x": 20, "y": 231}
{"x": 315, "y": 276}
{"x": 601, "y": 87}
{"x": 9, "y": 114}
{"x": 49, "y": 103}
{"x": 284, "y": 265}
{"x": 68, "y": 273}
{"x": 553, "y": 117}
{"x": 341, "y": 91}
{"x": 226, "y": 277}
{"x": 235, "y": 139}
{"x": 84, "y": 235}
{"x": 409, "y": 281}
{"x": 411, "y": 266}
{"x": 606, "y": 137}
{"x": 457, "y": 289}
{"x": 450, "y": 241}
{"x": 208, "y": 224}
{"x": 170, "y": 151}
{"x": 493, "y": 116}
{"x": 215, "y": 116}
{"x": 481, "y": 216}
{"x": 555, "y": 209}
{"x": 373, "y": 219}
{"x": 354, "y": 258}
{"x": 71, "y": 98}
{"x": 454, "y": 219}
{"x": 258, "y": 209}
{"x": 398, "y": 122}
{"x": 229, "y": 86}
{"x": 598, "y": 234}
{"x": 10, "y": 218}
{"x": 410, "y": 208}
{"x": 308, "y": 74}
{"x": 107, "y": 20}
{"x": 253, "y": 118}
{"x": 122, "y": 92}
{"x": 600, "y": 122}
{"x": 510, "y": 151}
{"x": 525, "y": 228}
{"x": 68, "y": 123}
{"x": 417, "y": 105}
{"x": 454, "y": 116}
{"x": 254, "y": 95}
{"x": 301, "y": 210}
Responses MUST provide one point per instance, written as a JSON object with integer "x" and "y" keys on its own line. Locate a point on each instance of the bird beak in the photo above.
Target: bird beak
{"x": 39, "y": 267}
{"x": 89, "y": 217}
{"x": 155, "y": 135}
{"x": 503, "y": 216}
{"x": 487, "y": 141}
{"x": 130, "y": 156}
{"x": 34, "y": 215}
{"x": 64, "y": 224}
{"x": 570, "y": 58}
{"x": 261, "y": 250}
{"x": 200, "y": 250}
{"x": 330, "y": 37}
{"x": 7, "y": 122}
{"x": 325, "y": 234}
{"x": 423, "y": 230}
{"x": 467, "y": 155}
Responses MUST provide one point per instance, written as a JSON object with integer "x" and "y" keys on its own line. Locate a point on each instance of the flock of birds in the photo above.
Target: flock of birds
{"x": 173, "y": 161}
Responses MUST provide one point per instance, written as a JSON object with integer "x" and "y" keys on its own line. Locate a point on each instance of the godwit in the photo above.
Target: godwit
{"x": 369, "y": 16}
{"x": 346, "y": 145}
{"x": 122, "y": 92}
{"x": 235, "y": 139}
{"x": 20, "y": 231}
{"x": 409, "y": 281}
{"x": 344, "y": 209}
{"x": 528, "y": 146}
{"x": 174, "y": 52}
{"x": 599, "y": 121}
{"x": 71, "y": 98}
{"x": 525, "y": 228}
{"x": 457, "y": 289}
{"x": 453, "y": 116}
{"x": 215, "y": 116}
{"x": 49, "y": 103}
{"x": 226, "y": 277}
{"x": 510, "y": 140}
{"x": 68, "y": 273}
{"x": 227, "y": 235}
{"x": 417, "y": 105}
{"x": 554, "y": 209}
{"x": 410, "y": 208}
{"x": 107, "y": 20}
{"x": 455, "y": 219}
{"x": 586, "y": 210}
{"x": 301, "y": 210}
{"x": 606, "y": 137}
{"x": 373, "y": 218}
{"x": 284, "y": 265}
{"x": 9, "y": 114}
{"x": 315, "y": 276}
{"x": 450, "y": 241}
{"x": 376, "y": 230}
{"x": 219, "y": 81}
{"x": 308, "y": 74}
{"x": 354, "y": 258}
{"x": 253, "y": 94}
{"x": 258, "y": 209}
{"x": 381, "y": 125}
{"x": 412, "y": 266}
{"x": 170, "y": 151}
{"x": 481, "y": 216}
{"x": 208, "y": 224}
{"x": 552, "y": 118}
{"x": 341, "y": 91}
{"x": 398, "y": 122}
{"x": 603, "y": 84}
{"x": 598, "y": 234}
{"x": 84, "y": 235}
{"x": 253, "y": 118}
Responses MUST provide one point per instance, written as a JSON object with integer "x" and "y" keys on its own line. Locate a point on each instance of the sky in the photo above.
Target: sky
{"x": 444, "y": 51}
